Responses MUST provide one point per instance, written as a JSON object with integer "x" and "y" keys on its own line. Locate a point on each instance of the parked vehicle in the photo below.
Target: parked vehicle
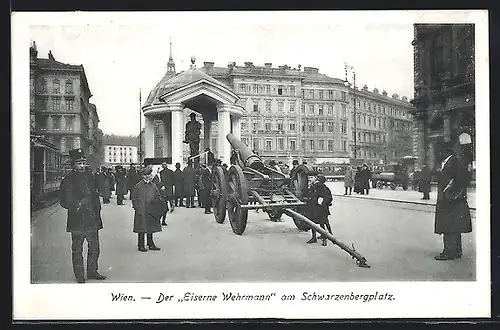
{"x": 394, "y": 175}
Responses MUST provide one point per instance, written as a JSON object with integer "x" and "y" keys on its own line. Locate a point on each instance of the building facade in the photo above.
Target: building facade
{"x": 444, "y": 95}
{"x": 120, "y": 150}
{"x": 60, "y": 110}
{"x": 300, "y": 113}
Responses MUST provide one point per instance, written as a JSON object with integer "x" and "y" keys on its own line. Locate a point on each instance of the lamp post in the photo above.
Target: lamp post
{"x": 350, "y": 69}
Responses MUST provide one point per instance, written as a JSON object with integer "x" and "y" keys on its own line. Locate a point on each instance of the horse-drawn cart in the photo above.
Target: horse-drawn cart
{"x": 252, "y": 185}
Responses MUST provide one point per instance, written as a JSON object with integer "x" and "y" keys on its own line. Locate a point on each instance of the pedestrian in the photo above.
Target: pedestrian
{"x": 99, "y": 178}
{"x": 189, "y": 179}
{"x": 452, "y": 216}
{"x": 349, "y": 180}
{"x": 295, "y": 165}
{"x": 79, "y": 195}
{"x": 113, "y": 180}
{"x": 366, "y": 175}
{"x": 132, "y": 178}
{"x": 424, "y": 182}
{"x": 149, "y": 207}
{"x": 177, "y": 181}
{"x": 206, "y": 179}
{"x": 357, "y": 180}
{"x": 319, "y": 201}
{"x": 107, "y": 185}
{"x": 161, "y": 187}
{"x": 209, "y": 157}
{"x": 121, "y": 184}
{"x": 199, "y": 185}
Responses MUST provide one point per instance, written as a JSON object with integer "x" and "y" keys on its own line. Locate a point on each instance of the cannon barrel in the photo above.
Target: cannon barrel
{"x": 249, "y": 158}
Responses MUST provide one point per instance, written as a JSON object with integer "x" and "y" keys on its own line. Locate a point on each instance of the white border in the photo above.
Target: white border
{"x": 413, "y": 299}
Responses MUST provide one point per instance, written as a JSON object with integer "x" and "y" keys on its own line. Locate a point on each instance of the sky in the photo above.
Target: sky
{"x": 124, "y": 56}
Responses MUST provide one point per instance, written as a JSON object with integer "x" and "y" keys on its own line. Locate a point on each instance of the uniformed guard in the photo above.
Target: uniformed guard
{"x": 79, "y": 195}
{"x": 319, "y": 200}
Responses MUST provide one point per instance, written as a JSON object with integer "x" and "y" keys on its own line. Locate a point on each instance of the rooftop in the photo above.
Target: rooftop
{"x": 118, "y": 140}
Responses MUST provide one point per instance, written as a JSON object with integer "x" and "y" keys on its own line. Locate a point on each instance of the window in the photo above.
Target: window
{"x": 359, "y": 136}
{"x": 330, "y": 145}
{"x": 369, "y": 120}
{"x": 330, "y": 94}
{"x": 292, "y": 90}
{"x": 311, "y": 145}
{"x": 56, "y": 122}
{"x": 385, "y": 123}
{"x": 364, "y": 137}
{"x": 292, "y": 106}
{"x": 344, "y": 145}
{"x": 69, "y": 86}
{"x": 344, "y": 96}
{"x": 364, "y": 105}
{"x": 291, "y": 126}
{"x": 303, "y": 108}
{"x": 42, "y": 122}
{"x": 353, "y": 118}
{"x": 330, "y": 127}
{"x": 303, "y": 127}
{"x": 268, "y": 89}
{"x": 320, "y": 97}
{"x": 330, "y": 110}
{"x": 41, "y": 103}
{"x": 267, "y": 125}
{"x": 292, "y": 145}
{"x": 281, "y": 144}
{"x": 369, "y": 137}
{"x": 69, "y": 105}
{"x": 311, "y": 109}
{"x": 321, "y": 145}
{"x": 56, "y": 104}
{"x": 70, "y": 143}
{"x": 280, "y": 90}
{"x": 256, "y": 89}
{"x": 311, "y": 93}
{"x": 243, "y": 88}
{"x": 214, "y": 144}
{"x": 69, "y": 123}
{"x": 256, "y": 144}
{"x": 343, "y": 128}
{"x": 255, "y": 125}
{"x": 321, "y": 128}
{"x": 268, "y": 105}
{"x": 303, "y": 93}
{"x": 320, "y": 110}
{"x": 311, "y": 127}
{"x": 280, "y": 105}
{"x": 56, "y": 86}
{"x": 364, "y": 119}
{"x": 344, "y": 111}
{"x": 269, "y": 145}
{"x": 243, "y": 125}
{"x": 280, "y": 125}
{"x": 303, "y": 144}
{"x": 43, "y": 85}
{"x": 256, "y": 106}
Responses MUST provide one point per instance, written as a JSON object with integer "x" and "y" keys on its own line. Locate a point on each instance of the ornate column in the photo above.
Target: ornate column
{"x": 167, "y": 135}
{"x": 236, "y": 126}
{"x": 177, "y": 135}
{"x": 149, "y": 139}
{"x": 207, "y": 127}
{"x": 224, "y": 122}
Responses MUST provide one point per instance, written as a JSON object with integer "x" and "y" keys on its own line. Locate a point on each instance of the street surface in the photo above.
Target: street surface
{"x": 397, "y": 240}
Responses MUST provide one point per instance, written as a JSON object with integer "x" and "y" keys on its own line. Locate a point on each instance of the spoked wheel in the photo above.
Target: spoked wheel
{"x": 237, "y": 195}
{"x": 219, "y": 194}
{"x": 275, "y": 215}
{"x": 299, "y": 188}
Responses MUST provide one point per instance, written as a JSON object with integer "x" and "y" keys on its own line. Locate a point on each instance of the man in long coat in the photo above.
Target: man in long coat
{"x": 349, "y": 179}
{"x": 132, "y": 178}
{"x": 199, "y": 185}
{"x": 319, "y": 202}
{"x": 106, "y": 185}
{"x": 99, "y": 178}
{"x": 121, "y": 184}
{"x": 206, "y": 180}
{"x": 189, "y": 177}
{"x": 366, "y": 175}
{"x": 79, "y": 195}
{"x": 149, "y": 207}
{"x": 178, "y": 181}
{"x": 424, "y": 181}
{"x": 452, "y": 210}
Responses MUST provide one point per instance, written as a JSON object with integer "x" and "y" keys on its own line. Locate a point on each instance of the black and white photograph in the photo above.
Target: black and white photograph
{"x": 288, "y": 164}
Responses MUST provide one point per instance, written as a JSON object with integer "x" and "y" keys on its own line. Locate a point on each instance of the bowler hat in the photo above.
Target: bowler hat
{"x": 76, "y": 155}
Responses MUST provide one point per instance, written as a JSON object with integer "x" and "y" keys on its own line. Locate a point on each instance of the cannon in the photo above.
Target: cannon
{"x": 250, "y": 185}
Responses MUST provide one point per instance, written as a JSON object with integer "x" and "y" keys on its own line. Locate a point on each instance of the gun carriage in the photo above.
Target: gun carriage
{"x": 250, "y": 185}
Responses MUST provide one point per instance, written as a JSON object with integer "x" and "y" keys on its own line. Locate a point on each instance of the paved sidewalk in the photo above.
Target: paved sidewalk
{"x": 398, "y": 195}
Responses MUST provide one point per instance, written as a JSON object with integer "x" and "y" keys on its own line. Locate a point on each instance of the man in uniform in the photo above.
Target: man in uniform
{"x": 79, "y": 195}
{"x": 319, "y": 200}
{"x": 192, "y": 135}
{"x": 452, "y": 216}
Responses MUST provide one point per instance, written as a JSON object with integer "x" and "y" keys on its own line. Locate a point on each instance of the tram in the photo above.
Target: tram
{"x": 45, "y": 169}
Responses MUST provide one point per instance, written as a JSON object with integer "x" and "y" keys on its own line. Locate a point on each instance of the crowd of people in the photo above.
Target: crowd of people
{"x": 358, "y": 178}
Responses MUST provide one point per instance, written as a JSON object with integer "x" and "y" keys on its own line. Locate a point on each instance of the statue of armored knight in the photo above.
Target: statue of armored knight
{"x": 192, "y": 135}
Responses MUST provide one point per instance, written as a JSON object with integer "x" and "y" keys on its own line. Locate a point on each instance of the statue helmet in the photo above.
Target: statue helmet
{"x": 192, "y": 115}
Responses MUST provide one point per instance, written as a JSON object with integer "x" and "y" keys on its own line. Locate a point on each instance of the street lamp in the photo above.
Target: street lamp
{"x": 350, "y": 69}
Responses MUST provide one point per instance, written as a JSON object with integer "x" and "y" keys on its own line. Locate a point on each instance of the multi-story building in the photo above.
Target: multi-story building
{"x": 304, "y": 114}
{"x": 60, "y": 109}
{"x": 444, "y": 96}
{"x": 120, "y": 150}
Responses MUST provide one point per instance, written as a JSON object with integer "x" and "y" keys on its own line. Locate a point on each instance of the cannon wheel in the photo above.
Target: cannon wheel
{"x": 275, "y": 215}
{"x": 219, "y": 194}
{"x": 237, "y": 194}
{"x": 299, "y": 188}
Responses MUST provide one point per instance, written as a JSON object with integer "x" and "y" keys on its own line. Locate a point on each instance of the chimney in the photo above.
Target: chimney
{"x": 268, "y": 65}
{"x": 51, "y": 57}
{"x": 33, "y": 52}
{"x": 384, "y": 93}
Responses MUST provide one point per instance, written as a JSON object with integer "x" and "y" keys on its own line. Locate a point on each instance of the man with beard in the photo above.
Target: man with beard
{"x": 79, "y": 195}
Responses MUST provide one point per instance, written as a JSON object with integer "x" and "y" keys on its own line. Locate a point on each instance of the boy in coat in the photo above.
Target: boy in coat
{"x": 149, "y": 207}
{"x": 319, "y": 200}
{"x": 79, "y": 195}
